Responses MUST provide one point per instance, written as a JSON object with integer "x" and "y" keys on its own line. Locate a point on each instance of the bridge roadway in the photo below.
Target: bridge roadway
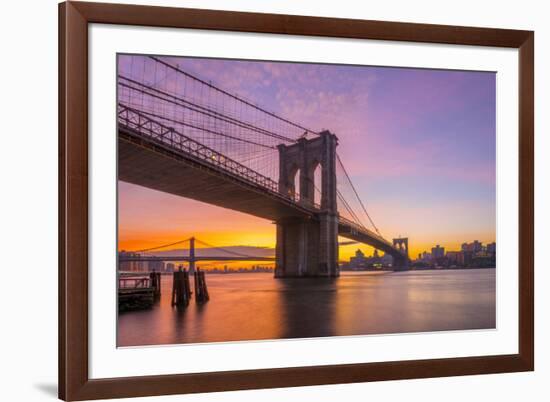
{"x": 202, "y": 175}
{"x": 150, "y": 155}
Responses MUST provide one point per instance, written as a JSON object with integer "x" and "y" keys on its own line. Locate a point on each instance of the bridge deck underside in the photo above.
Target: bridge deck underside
{"x": 346, "y": 231}
{"x": 149, "y": 165}
{"x": 154, "y": 166}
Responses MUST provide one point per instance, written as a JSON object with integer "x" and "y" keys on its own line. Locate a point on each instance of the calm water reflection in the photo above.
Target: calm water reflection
{"x": 257, "y": 306}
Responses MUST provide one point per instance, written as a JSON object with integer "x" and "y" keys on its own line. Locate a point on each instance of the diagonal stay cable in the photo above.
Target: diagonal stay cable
{"x": 357, "y": 195}
{"x": 239, "y": 167}
{"x": 350, "y": 210}
{"x": 210, "y": 85}
{"x": 181, "y": 123}
{"x": 178, "y": 101}
{"x": 344, "y": 203}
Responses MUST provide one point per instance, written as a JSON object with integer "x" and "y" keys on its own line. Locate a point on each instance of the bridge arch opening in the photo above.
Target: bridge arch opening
{"x": 295, "y": 180}
{"x": 317, "y": 183}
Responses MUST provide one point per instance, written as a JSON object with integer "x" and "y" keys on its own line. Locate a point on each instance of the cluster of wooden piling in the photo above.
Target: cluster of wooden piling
{"x": 201, "y": 291}
{"x": 138, "y": 291}
{"x": 181, "y": 289}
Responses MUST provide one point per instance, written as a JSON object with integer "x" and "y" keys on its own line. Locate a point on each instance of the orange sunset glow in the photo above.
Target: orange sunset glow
{"x": 141, "y": 226}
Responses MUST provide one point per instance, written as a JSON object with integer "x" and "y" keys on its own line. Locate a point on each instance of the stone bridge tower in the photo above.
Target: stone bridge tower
{"x": 308, "y": 247}
{"x": 401, "y": 262}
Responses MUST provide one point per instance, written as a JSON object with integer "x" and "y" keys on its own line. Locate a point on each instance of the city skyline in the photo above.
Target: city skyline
{"x": 270, "y": 252}
{"x": 420, "y": 145}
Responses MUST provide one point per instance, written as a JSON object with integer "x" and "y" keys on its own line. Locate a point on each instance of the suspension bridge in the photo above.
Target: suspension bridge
{"x": 191, "y": 254}
{"x": 181, "y": 134}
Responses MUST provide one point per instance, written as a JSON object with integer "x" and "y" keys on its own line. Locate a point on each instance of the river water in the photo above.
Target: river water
{"x": 253, "y": 306}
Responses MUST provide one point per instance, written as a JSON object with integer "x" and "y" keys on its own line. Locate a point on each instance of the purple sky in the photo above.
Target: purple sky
{"x": 419, "y": 144}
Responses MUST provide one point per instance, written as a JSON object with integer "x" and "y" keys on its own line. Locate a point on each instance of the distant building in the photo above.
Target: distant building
{"x": 461, "y": 259}
{"x": 473, "y": 247}
{"x": 438, "y": 252}
{"x": 454, "y": 257}
{"x": 492, "y": 248}
{"x": 358, "y": 261}
{"x": 155, "y": 266}
{"x": 132, "y": 266}
{"x": 470, "y": 255}
{"x": 386, "y": 259}
{"x": 426, "y": 257}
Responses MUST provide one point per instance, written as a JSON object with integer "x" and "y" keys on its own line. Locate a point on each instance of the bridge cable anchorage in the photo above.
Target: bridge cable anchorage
{"x": 357, "y": 195}
{"x": 209, "y": 84}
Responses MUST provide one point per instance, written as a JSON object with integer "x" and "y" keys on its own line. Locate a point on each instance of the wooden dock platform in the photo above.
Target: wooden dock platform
{"x": 137, "y": 290}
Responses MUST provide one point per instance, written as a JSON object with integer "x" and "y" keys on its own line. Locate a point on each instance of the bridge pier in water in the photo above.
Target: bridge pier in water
{"x": 308, "y": 247}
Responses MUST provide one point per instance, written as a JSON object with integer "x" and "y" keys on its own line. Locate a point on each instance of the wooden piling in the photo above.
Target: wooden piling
{"x": 205, "y": 290}
{"x": 196, "y": 276}
{"x": 186, "y": 286}
{"x": 159, "y": 282}
{"x": 155, "y": 283}
{"x": 201, "y": 291}
{"x": 181, "y": 292}
{"x": 175, "y": 285}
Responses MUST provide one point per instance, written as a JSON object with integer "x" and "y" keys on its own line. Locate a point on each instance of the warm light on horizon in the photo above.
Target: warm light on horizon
{"x": 243, "y": 230}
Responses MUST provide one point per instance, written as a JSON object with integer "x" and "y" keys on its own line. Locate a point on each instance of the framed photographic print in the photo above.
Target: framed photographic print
{"x": 258, "y": 200}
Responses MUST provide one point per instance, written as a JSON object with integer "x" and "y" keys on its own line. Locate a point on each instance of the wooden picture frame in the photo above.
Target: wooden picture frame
{"x": 74, "y": 381}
